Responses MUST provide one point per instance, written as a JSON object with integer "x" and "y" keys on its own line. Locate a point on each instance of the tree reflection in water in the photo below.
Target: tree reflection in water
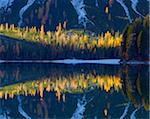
{"x": 71, "y": 84}
{"x": 109, "y": 86}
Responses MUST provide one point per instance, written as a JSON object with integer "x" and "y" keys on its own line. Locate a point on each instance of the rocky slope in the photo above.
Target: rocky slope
{"x": 96, "y": 15}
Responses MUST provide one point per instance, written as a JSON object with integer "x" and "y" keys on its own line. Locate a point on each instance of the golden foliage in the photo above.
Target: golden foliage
{"x": 62, "y": 37}
{"x": 106, "y": 10}
{"x": 42, "y": 33}
{"x": 1, "y": 27}
{"x": 70, "y": 84}
{"x": 6, "y": 27}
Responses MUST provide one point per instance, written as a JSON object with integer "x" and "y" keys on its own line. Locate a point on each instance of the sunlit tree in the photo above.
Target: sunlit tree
{"x": 42, "y": 33}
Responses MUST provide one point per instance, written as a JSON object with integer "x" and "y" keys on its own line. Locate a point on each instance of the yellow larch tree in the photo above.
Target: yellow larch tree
{"x": 1, "y": 27}
{"x": 42, "y": 33}
{"x": 6, "y": 27}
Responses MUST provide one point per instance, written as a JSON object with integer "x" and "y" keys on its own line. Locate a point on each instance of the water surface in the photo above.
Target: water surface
{"x": 34, "y": 90}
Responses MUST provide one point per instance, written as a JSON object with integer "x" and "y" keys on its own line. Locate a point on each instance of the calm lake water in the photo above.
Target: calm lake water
{"x": 73, "y": 91}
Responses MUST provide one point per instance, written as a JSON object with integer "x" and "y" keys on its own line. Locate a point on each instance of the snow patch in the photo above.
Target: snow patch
{"x": 96, "y": 3}
{"x": 4, "y": 116}
{"x": 79, "y": 6}
{"x": 67, "y": 61}
{"x": 5, "y": 3}
{"x": 2, "y": 61}
{"x": 137, "y": 62}
{"x": 78, "y": 61}
{"x": 134, "y": 7}
{"x": 121, "y": 2}
{"x": 22, "y": 11}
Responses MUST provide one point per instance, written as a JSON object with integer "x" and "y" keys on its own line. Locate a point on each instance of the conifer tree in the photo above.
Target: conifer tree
{"x": 1, "y": 27}
{"x": 42, "y": 33}
{"x": 6, "y": 27}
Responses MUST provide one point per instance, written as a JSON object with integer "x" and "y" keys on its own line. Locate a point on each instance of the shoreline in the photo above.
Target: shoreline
{"x": 67, "y": 61}
{"x": 80, "y": 61}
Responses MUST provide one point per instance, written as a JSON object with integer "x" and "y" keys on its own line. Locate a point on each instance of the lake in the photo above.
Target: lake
{"x": 47, "y": 90}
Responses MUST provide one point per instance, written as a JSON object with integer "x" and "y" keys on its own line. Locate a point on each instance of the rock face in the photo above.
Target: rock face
{"x": 96, "y": 15}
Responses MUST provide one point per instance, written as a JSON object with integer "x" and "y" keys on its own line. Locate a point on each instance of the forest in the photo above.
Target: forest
{"x": 33, "y": 43}
{"x": 135, "y": 45}
{"x": 37, "y": 44}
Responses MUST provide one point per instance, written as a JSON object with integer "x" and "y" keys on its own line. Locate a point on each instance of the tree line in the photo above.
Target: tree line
{"x": 25, "y": 43}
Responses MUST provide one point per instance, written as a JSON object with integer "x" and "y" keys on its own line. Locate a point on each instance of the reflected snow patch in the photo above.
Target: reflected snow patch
{"x": 21, "y": 111}
{"x": 133, "y": 113}
{"x": 125, "y": 111}
{"x": 78, "y": 114}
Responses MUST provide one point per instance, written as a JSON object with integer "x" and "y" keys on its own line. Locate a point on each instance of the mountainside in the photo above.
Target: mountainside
{"x": 96, "y": 15}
